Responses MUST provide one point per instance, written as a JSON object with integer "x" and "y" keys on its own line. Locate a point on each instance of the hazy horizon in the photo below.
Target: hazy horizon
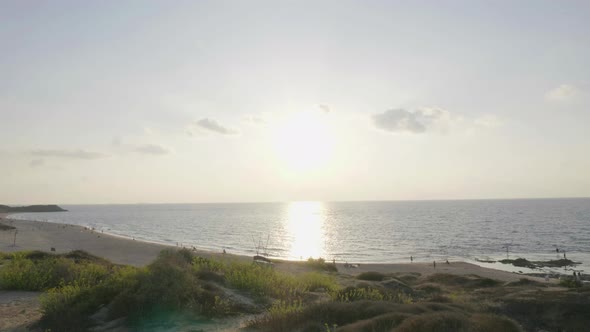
{"x": 263, "y": 101}
{"x": 288, "y": 202}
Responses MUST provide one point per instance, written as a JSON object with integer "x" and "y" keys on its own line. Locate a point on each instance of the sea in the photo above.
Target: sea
{"x": 476, "y": 231}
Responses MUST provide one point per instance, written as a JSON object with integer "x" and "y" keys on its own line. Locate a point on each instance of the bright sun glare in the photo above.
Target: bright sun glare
{"x": 305, "y": 224}
{"x": 303, "y": 141}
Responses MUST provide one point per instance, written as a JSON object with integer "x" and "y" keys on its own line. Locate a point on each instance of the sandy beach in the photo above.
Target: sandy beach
{"x": 24, "y": 308}
{"x": 35, "y": 235}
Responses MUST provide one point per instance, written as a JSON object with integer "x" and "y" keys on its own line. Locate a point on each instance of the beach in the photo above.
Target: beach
{"x": 24, "y": 308}
{"x": 37, "y": 235}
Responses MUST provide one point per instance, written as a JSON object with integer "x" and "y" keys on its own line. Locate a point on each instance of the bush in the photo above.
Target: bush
{"x": 351, "y": 294}
{"x": 371, "y": 276}
{"x": 435, "y": 322}
{"x": 570, "y": 282}
{"x": 320, "y": 264}
{"x": 36, "y": 271}
{"x": 167, "y": 283}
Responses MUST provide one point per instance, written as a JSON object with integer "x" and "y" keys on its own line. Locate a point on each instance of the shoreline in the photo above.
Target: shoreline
{"x": 41, "y": 235}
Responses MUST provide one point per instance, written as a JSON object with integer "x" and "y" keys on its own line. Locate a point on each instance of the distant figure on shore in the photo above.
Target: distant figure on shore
{"x": 411, "y": 259}
{"x": 556, "y": 249}
{"x": 448, "y": 262}
{"x": 564, "y": 256}
{"x": 434, "y": 264}
{"x": 224, "y": 251}
{"x": 334, "y": 261}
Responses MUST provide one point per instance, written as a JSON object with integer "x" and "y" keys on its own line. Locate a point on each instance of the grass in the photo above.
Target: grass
{"x": 77, "y": 284}
{"x": 177, "y": 284}
{"x": 36, "y": 271}
{"x": 371, "y": 275}
{"x": 321, "y": 265}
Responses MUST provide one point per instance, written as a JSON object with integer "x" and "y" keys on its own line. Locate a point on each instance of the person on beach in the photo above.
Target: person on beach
{"x": 411, "y": 259}
{"x": 448, "y": 262}
{"x": 434, "y": 264}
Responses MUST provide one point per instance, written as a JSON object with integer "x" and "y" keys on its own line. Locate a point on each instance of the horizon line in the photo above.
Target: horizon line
{"x": 323, "y": 201}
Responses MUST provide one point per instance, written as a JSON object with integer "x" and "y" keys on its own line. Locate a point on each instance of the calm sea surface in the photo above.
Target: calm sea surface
{"x": 359, "y": 232}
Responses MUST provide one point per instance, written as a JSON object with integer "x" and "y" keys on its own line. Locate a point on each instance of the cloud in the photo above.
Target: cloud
{"x": 417, "y": 121}
{"x": 488, "y": 121}
{"x": 563, "y": 92}
{"x": 117, "y": 141}
{"x": 325, "y": 108}
{"x": 68, "y": 154}
{"x": 152, "y": 149}
{"x": 216, "y": 127}
{"x": 37, "y": 162}
{"x": 254, "y": 119}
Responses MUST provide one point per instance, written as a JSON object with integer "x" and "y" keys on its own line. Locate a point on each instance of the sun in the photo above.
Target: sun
{"x": 303, "y": 141}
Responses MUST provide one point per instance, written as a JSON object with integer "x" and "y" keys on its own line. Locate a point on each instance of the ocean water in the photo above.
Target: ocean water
{"x": 359, "y": 232}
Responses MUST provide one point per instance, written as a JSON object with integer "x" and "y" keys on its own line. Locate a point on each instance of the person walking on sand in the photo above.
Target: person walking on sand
{"x": 434, "y": 264}
{"x": 411, "y": 259}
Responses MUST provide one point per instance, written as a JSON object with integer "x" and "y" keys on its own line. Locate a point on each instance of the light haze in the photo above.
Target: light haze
{"x": 232, "y": 101}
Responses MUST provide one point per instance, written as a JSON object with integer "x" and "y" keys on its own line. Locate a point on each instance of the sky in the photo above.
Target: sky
{"x": 244, "y": 101}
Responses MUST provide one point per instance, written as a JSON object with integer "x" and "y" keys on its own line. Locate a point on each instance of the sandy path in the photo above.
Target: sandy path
{"x": 18, "y": 310}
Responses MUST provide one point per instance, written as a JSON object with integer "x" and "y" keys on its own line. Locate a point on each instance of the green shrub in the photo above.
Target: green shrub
{"x": 371, "y": 276}
{"x": 262, "y": 281}
{"x": 492, "y": 323}
{"x": 570, "y": 282}
{"x": 66, "y": 308}
{"x": 351, "y": 294}
{"x": 314, "y": 281}
{"x": 167, "y": 283}
{"x": 320, "y": 264}
{"x": 35, "y": 271}
{"x": 435, "y": 322}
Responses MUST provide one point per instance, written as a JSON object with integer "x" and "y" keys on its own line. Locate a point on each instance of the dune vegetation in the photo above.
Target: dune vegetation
{"x": 82, "y": 292}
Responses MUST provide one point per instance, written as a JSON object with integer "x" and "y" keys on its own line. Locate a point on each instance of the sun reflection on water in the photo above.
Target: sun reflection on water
{"x": 305, "y": 224}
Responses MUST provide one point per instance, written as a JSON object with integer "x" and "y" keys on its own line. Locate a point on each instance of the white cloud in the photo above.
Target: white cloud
{"x": 417, "y": 121}
{"x": 117, "y": 141}
{"x": 430, "y": 120}
{"x": 152, "y": 149}
{"x": 216, "y": 127}
{"x": 255, "y": 119}
{"x": 325, "y": 108}
{"x": 488, "y": 121}
{"x": 563, "y": 92}
{"x": 37, "y": 162}
{"x": 68, "y": 154}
